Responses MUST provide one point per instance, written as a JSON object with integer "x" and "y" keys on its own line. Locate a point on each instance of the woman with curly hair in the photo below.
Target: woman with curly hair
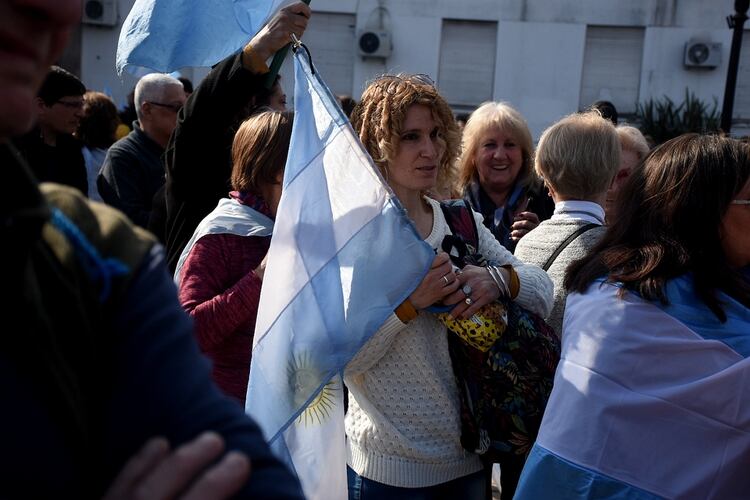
{"x": 403, "y": 424}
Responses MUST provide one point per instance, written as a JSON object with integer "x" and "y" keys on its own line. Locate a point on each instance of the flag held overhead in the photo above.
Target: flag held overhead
{"x": 165, "y": 35}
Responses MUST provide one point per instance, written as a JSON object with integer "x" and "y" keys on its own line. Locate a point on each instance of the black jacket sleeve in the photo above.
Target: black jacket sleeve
{"x": 121, "y": 182}
{"x": 198, "y": 157}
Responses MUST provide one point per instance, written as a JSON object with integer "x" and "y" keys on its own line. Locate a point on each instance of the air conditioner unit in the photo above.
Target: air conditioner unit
{"x": 702, "y": 54}
{"x": 100, "y": 12}
{"x": 374, "y": 44}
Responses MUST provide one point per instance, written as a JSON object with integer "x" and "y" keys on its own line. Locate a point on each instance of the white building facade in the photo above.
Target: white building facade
{"x": 547, "y": 58}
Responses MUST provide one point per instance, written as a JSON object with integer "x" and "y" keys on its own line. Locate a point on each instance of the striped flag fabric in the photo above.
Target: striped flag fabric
{"x": 165, "y": 35}
{"x": 343, "y": 256}
{"x": 650, "y": 401}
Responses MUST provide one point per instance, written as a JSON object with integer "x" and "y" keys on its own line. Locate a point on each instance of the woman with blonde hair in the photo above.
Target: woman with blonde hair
{"x": 634, "y": 150}
{"x": 496, "y": 174}
{"x": 403, "y": 424}
{"x": 221, "y": 269}
{"x": 577, "y": 158}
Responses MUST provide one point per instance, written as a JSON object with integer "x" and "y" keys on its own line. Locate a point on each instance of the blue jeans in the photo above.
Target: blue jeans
{"x": 471, "y": 487}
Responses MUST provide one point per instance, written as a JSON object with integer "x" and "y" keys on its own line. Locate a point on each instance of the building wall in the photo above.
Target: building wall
{"x": 98, "y": 50}
{"x": 98, "y": 53}
{"x": 540, "y": 46}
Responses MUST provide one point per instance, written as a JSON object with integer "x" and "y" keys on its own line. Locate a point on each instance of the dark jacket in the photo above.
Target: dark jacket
{"x": 88, "y": 377}
{"x": 62, "y": 163}
{"x": 157, "y": 219}
{"x": 534, "y": 197}
{"x": 131, "y": 174}
{"x": 198, "y": 156}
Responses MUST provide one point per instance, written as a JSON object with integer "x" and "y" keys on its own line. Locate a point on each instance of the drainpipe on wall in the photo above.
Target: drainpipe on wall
{"x": 735, "y": 22}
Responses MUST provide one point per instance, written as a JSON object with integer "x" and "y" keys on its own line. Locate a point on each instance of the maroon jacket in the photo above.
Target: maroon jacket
{"x": 220, "y": 291}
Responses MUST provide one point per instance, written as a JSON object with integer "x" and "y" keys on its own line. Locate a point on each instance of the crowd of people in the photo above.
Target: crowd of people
{"x": 136, "y": 265}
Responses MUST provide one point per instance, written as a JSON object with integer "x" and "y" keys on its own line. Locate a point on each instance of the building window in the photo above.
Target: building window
{"x": 466, "y": 76}
{"x": 612, "y": 67}
{"x": 331, "y": 40}
{"x": 741, "y": 108}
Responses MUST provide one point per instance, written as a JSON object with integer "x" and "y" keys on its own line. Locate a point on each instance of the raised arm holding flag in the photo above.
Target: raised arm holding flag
{"x": 166, "y": 35}
{"x": 197, "y": 158}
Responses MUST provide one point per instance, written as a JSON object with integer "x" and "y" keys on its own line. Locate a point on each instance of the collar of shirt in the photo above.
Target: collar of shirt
{"x": 579, "y": 210}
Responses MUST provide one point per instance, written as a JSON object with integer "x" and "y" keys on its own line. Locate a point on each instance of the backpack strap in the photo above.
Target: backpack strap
{"x": 578, "y": 232}
{"x": 460, "y": 219}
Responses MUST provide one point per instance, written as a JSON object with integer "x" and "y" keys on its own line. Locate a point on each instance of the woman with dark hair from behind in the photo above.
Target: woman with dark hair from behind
{"x": 656, "y": 340}
{"x": 220, "y": 271}
{"x": 96, "y": 131}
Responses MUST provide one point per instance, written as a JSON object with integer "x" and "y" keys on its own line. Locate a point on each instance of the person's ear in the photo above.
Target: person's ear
{"x": 41, "y": 106}
{"x": 146, "y": 109}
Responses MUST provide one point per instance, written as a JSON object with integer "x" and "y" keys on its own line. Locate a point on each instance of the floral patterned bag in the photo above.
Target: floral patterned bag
{"x": 505, "y": 370}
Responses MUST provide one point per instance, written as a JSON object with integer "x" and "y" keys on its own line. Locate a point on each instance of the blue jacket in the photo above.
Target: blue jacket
{"x": 85, "y": 383}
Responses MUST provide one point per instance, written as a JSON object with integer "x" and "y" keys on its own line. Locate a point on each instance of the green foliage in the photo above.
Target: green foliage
{"x": 663, "y": 120}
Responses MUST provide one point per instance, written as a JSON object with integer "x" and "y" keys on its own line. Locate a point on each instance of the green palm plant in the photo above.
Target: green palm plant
{"x": 662, "y": 119}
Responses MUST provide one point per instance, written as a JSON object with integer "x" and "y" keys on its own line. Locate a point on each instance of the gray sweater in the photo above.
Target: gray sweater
{"x": 537, "y": 246}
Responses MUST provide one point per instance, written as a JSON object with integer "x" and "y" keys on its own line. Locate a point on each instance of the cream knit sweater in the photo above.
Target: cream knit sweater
{"x": 403, "y": 427}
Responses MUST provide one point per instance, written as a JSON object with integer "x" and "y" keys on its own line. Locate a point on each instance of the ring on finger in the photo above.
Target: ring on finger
{"x": 468, "y": 301}
{"x": 445, "y": 278}
{"x": 466, "y": 289}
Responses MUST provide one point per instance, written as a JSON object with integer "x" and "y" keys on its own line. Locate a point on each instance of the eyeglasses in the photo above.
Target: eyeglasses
{"x": 392, "y": 82}
{"x": 71, "y": 104}
{"x": 174, "y": 107}
{"x": 740, "y": 202}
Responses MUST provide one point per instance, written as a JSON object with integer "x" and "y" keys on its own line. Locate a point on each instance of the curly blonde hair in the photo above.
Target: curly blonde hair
{"x": 379, "y": 116}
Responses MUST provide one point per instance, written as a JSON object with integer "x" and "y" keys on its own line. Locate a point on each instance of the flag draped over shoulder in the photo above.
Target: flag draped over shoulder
{"x": 165, "y": 35}
{"x": 343, "y": 256}
{"x": 649, "y": 401}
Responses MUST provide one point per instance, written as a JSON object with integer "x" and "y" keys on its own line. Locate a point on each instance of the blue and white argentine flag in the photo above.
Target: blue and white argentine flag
{"x": 650, "y": 401}
{"x": 166, "y": 35}
{"x": 343, "y": 256}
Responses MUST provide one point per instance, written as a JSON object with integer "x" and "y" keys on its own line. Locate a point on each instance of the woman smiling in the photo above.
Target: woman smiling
{"x": 496, "y": 174}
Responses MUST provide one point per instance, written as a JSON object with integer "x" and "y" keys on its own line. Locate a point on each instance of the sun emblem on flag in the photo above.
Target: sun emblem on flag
{"x": 304, "y": 378}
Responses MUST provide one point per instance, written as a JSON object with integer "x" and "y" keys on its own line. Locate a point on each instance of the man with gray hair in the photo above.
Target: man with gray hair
{"x": 133, "y": 170}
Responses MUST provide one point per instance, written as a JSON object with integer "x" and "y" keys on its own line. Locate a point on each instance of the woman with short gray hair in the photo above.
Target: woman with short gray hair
{"x": 577, "y": 158}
